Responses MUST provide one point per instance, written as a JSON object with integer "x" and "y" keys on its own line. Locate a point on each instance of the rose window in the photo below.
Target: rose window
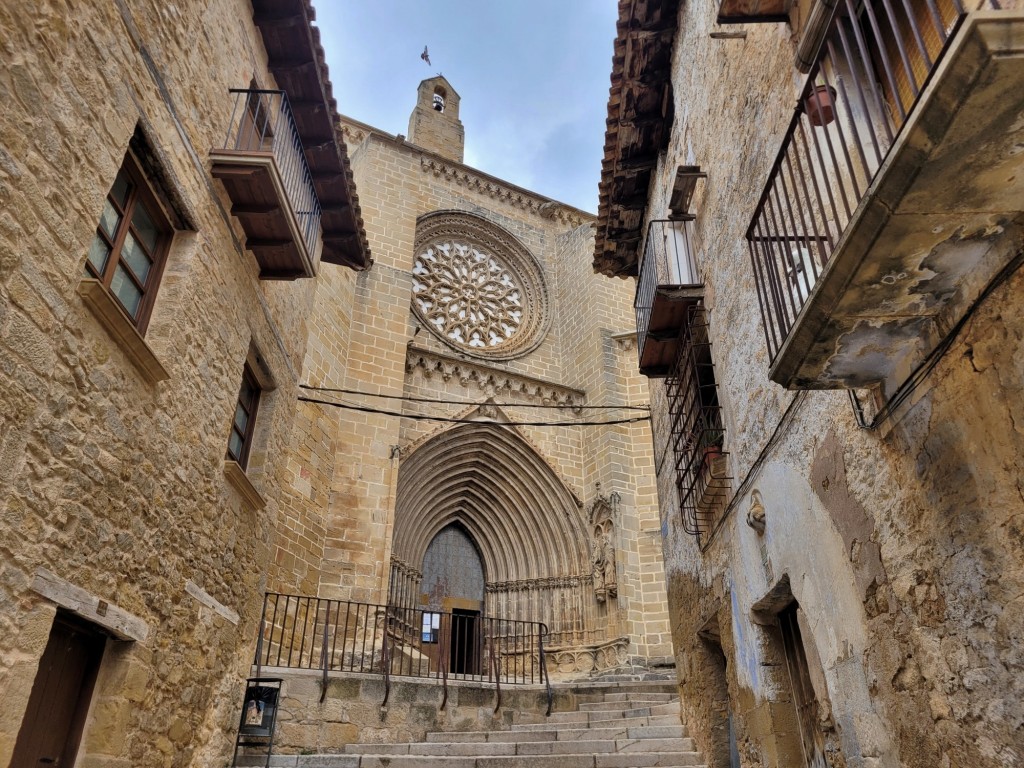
{"x": 467, "y": 296}
{"x": 476, "y": 287}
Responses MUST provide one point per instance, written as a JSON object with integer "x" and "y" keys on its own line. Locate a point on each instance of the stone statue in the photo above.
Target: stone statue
{"x": 602, "y": 522}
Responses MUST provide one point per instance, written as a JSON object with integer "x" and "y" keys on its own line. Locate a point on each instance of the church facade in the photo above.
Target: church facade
{"x": 449, "y": 455}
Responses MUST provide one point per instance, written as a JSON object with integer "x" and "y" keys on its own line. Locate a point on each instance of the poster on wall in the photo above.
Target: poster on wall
{"x": 258, "y": 710}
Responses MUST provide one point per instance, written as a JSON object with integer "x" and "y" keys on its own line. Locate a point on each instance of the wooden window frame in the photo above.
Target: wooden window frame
{"x": 140, "y": 193}
{"x": 250, "y": 426}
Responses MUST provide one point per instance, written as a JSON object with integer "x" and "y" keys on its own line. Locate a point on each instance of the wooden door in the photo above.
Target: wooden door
{"x": 811, "y": 736}
{"x": 59, "y": 702}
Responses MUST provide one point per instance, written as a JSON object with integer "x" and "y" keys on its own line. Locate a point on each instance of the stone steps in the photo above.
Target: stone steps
{"x": 615, "y": 726}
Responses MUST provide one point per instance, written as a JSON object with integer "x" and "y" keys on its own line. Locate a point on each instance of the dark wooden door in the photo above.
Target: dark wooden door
{"x": 465, "y": 642}
{"x": 811, "y": 736}
{"x": 60, "y": 696}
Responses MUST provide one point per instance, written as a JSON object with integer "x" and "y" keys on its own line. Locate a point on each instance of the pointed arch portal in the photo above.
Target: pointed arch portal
{"x": 504, "y": 499}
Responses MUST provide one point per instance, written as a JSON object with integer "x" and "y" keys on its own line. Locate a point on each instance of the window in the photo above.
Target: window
{"x": 245, "y": 418}
{"x": 128, "y": 252}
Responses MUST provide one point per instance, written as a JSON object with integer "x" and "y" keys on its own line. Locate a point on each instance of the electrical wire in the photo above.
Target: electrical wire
{"x": 456, "y": 420}
{"x": 411, "y": 399}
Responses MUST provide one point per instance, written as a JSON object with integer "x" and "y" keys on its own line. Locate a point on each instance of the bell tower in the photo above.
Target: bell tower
{"x": 434, "y": 124}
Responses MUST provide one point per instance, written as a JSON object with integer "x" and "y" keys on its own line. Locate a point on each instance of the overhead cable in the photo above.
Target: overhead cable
{"x": 411, "y": 399}
{"x": 457, "y": 420}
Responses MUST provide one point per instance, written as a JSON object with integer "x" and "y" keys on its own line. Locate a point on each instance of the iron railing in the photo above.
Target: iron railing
{"x": 262, "y": 123}
{"x": 874, "y": 62}
{"x": 697, "y": 429}
{"x": 667, "y": 260}
{"x": 302, "y": 632}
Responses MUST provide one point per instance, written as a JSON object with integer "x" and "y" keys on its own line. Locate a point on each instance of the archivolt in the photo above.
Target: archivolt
{"x": 521, "y": 516}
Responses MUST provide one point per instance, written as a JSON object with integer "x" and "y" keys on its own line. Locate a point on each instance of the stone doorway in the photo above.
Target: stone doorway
{"x": 59, "y": 702}
{"x": 804, "y": 698}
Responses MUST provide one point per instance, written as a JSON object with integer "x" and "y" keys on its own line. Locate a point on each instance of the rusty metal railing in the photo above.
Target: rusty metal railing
{"x": 668, "y": 260}
{"x": 697, "y": 429}
{"x": 262, "y": 123}
{"x": 873, "y": 64}
{"x": 303, "y": 632}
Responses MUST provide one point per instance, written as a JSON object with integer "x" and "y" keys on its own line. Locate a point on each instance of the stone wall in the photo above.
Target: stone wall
{"x": 901, "y": 545}
{"x": 112, "y": 483}
{"x": 351, "y": 710}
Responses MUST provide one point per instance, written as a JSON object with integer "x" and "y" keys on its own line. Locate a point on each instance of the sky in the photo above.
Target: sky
{"x": 532, "y": 75}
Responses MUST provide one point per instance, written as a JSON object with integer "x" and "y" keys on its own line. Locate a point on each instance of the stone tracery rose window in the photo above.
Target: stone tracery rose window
{"x": 476, "y": 287}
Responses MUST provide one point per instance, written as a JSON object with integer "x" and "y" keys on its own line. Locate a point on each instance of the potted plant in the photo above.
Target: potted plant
{"x": 820, "y": 105}
{"x": 711, "y": 443}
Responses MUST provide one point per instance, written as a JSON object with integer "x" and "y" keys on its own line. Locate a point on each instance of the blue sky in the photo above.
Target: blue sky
{"x": 533, "y": 77}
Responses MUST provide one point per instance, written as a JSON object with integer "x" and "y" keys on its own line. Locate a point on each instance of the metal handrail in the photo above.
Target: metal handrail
{"x": 875, "y": 60}
{"x": 305, "y": 632}
{"x": 668, "y": 259}
{"x": 544, "y": 669}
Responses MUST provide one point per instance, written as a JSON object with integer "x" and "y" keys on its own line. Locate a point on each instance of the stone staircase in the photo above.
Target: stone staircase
{"x": 612, "y": 728}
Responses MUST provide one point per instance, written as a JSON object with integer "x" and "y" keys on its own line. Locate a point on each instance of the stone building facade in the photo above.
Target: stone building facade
{"x": 829, "y": 310}
{"x": 481, "y": 309}
{"x": 148, "y": 369}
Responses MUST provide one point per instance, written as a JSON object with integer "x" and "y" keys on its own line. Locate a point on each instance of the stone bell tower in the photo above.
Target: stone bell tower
{"x": 434, "y": 124}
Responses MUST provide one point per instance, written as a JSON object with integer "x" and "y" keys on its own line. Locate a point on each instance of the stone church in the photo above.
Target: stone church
{"x": 266, "y": 368}
{"x": 423, "y": 472}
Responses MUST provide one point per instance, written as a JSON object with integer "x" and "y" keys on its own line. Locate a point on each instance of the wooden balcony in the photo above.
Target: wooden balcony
{"x": 263, "y": 168}
{"x": 895, "y": 201}
{"x": 667, "y": 290}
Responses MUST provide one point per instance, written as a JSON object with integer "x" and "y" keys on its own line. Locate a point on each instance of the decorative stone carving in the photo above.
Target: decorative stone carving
{"x": 602, "y": 523}
{"x": 498, "y": 191}
{"x": 755, "y": 515}
{"x": 491, "y": 380}
{"x": 477, "y": 288}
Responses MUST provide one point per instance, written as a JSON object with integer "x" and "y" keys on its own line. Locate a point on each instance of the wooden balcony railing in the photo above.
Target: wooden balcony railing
{"x": 876, "y": 59}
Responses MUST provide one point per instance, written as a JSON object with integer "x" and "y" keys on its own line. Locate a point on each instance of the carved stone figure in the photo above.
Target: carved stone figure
{"x": 602, "y": 523}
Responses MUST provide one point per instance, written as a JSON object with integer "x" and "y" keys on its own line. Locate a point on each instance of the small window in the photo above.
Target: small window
{"x": 439, "y": 95}
{"x": 431, "y": 626}
{"x": 245, "y": 418}
{"x": 130, "y": 246}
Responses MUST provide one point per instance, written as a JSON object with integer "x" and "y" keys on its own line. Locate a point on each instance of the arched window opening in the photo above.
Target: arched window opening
{"x": 439, "y": 98}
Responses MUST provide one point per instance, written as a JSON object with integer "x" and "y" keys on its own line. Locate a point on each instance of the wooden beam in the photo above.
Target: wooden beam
{"x": 279, "y": 20}
{"x": 291, "y": 65}
{"x": 116, "y": 620}
{"x": 253, "y": 210}
{"x": 253, "y": 243}
{"x": 333, "y": 208}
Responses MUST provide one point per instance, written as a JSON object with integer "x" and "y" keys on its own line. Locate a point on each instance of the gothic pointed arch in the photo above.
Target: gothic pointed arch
{"x": 530, "y": 533}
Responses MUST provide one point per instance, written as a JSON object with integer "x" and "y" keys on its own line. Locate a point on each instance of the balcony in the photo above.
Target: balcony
{"x": 667, "y": 289}
{"x": 263, "y": 168}
{"x": 896, "y": 196}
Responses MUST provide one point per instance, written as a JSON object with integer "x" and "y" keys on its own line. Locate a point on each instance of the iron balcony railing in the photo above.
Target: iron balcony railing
{"x": 874, "y": 62}
{"x": 667, "y": 260}
{"x": 262, "y": 123}
{"x": 302, "y": 632}
{"x": 697, "y": 429}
